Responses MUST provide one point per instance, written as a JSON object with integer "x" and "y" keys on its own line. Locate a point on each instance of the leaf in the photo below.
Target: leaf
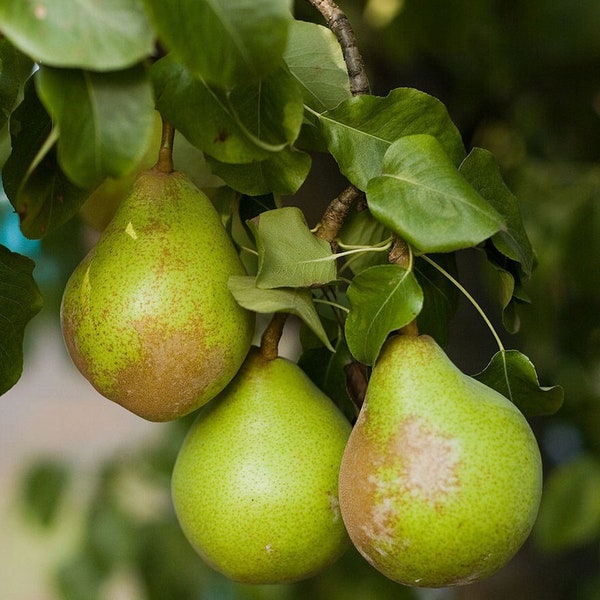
{"x": 113, "y": 34}
{"x": 282, "y": 174}
{"x": 382, "y": 299}
{"x": 314, "y": 57}
{"x": 360, "y": 130}
{"x": 106, "y": 120}
{"x": 20, "y": 301}
{"x": 225, "y": 41}
{"x": 240, "y": 126}
{"x": 289, "y": 255}
{"x": 39, "y": 191}
{"x": 424, "y": 199}
{"x": 15, "y": 68}
{"x": 569, "y": 513}
{"x": 481, "y": 170}
{"x": 513, "y": 375}
{"x": 295, "y": 301}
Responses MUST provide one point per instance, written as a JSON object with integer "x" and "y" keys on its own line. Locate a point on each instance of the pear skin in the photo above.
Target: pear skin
{"x": 147, "y": 316}
{"x": 255, "y": 482}
{"x": 441, "y": 479}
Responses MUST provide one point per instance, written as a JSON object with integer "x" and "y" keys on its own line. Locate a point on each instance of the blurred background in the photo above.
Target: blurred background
{"x": 84, "y": 505}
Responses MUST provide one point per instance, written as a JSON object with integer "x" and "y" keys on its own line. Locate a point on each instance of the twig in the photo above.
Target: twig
{"x": 335, "y": 214}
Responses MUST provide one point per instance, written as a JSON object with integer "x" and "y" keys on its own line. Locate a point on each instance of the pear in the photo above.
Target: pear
{"x": 147, "y": 316}
{"x": 255, "y": 483}
{"x": 441, "y": 479}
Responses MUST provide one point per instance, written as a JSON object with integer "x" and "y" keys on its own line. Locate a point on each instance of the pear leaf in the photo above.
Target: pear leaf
{"x": 283, "y": 173}
{"x": 20, "y": 301}
{"x": 15, "y": 68}
{"x": 289, "y": 255}
{"x": 314, "y": 57}
{"x": 512, "y": 374}
{"x": 361, "y": 129}
{"x": 563, "y": 524}
{"x": 240, "y": 40}
{"x": 294, "y": 301}
{"x": 382, "y": 299}
{"x": 111, "y": 35}
{"x": 105, "y": 120}
{"x": 39, "y": 191}
{"x": 424, "y": 199}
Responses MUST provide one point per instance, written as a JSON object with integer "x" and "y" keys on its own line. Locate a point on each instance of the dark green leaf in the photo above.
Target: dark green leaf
{"x": 289, "y": 255}
{"x": 114, "y": 34}
{"x": 570, "y": 512}
{"x": 282, "y": 174}
{"x": 20, "y": 301}
{"x": 314, "y": 57}
{"x": 39, "y": 191}
{"x": 295, "y": 301}
{"x": 15, "y": 68}
{"x": 224, "y": 42}
{"x": 512, "y": 374}
{"x": 382, "y": 299}
{"x": 481, "y": 170}
{"x": 424, "y": 199}
{"x": 106, "y": 120}
{"x": 43, "y": 489}
{"x": 360, "y": 130}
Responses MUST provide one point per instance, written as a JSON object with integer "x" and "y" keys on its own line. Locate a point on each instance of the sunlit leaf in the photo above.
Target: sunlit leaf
{"x": 382, "y": 299}
{"x": 294, "y": 301}
{"x": 512, "y": 374}
{"x": 360, "y": 130}
{"x": 224, "y": 42}
{"x": 20, "y": 301}
{"x": 289, "y": 255}
{"x": 113, "y": 34}
{"x": 424, "y": 199}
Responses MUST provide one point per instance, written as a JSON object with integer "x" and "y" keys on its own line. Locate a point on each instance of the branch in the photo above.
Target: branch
{"x": 335, "y": 214}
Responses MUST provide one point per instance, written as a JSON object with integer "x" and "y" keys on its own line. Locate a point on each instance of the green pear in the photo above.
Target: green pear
{"x": 441, "y": 479}
{"x": 147, "y": 316}
{"x": 255, "y": 482}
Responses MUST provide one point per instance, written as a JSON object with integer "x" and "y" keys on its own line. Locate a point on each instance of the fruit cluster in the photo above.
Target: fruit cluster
{"x": 438, "y": 482}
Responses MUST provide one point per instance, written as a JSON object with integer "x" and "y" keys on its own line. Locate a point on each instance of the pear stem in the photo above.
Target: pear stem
{"x": 164, "y": 164}
{"x": 269, "y": 342}
{"x": 401, "y": 254}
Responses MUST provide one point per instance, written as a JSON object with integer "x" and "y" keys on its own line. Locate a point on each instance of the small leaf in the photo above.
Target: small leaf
{"x": 294, "y": 301}
{"x": 39, "y": 191}
{"x": 422, "y": 197}
{"x": 382, "y": 299}
{"x": 15, "y": 68}
{"x": 289, "y": 255}
{"x": 105, "y": 120}
{"x": 20, "y": 301}
{"x": 240, "y": 40}
{"x": 360, "y": 130}
{"x": 282, "y": 174}
{"x": 314, "y": 57}
{"x": 570, "y": 512}
{"x": 114, "y": 34}
{"x": 512, "y": 374}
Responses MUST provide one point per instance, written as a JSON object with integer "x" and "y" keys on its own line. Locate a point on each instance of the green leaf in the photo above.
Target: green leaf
{"x": 113, "y": 34}
{"x": 569, "y": 514}
{"x": 225, "y": 41}
{"x": 289, "y": 255}
{"x": 424, "y": 199}
{"x": 39, "y": 191}
{"x": 360, "y": 130}
{"x": 295, "y": 301}
{"x": 105, "y": 120}
{"x": 20, "y": 301}
{"x": 382, "y": 299}
{"x": 512, "y": 374}
{"x": 15, "y": 68}
{"x": 314, "y": 57}
{"x": 481, "y": 170}
{"x": 282, "y": 174}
